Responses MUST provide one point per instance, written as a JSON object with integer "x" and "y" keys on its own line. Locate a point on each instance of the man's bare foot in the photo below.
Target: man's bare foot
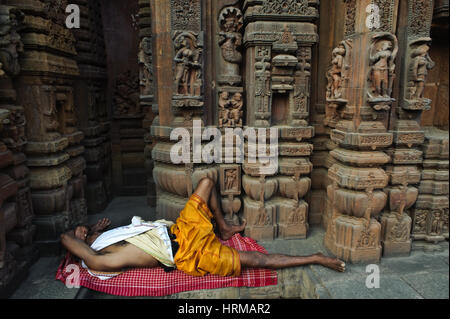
{"x": 227, "y": 231}
{"x": 101, "y": 225}
{"x": 329, "y": 262}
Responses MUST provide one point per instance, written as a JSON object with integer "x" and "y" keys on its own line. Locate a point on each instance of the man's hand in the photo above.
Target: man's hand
{"x": 101, "y": 225}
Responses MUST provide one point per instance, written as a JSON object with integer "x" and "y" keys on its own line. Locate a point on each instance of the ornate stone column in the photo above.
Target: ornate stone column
{"x": 179, "y": 55}
{"x": 54, "y": 150}
{"x": 230, "y": 101}
{"x": 279, "y": 37}
{"x": 146, "y": 83}
{"x": 359, "y": 98}
{"x": 406, "y": 155}
{"x": 16, "y": 209}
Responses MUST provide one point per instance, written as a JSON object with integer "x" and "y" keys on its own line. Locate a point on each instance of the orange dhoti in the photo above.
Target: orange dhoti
{"x": 200, "y": 251}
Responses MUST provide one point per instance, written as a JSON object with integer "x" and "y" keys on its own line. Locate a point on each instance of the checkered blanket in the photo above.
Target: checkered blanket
{"x": 156, "y": 282}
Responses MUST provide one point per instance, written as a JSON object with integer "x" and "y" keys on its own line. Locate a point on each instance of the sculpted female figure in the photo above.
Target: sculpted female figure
{"x": 335, "y": 72}
{"x": 187, "y": 63}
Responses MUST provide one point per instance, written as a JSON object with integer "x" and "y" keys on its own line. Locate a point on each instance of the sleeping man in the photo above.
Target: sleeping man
{"x": 189, "y": 245}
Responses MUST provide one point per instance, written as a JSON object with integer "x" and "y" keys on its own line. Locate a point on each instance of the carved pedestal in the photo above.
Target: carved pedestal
{"x": 395, "y": 232}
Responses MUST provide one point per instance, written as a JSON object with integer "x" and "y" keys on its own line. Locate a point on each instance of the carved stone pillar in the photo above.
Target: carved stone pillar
{"x": 16, "y": 209}
{"x": 146, "y": 82}
{"x": 279, "y": 37}
{"x": 359, "y": 98}
{"x": 230, "y": 100}
{"x": 430, "y": 215}
{"x": 406, "y": 156}
{"x": 90, "y": 97}
{"x": 178, "y": 31}
{"x": 45, "y": 90}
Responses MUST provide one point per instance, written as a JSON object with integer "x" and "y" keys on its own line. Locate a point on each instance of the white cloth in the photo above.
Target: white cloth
{"x": 137, "y": 227}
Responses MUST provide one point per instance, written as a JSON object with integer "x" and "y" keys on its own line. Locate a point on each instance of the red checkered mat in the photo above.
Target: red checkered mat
{"x": 155, "y": 282}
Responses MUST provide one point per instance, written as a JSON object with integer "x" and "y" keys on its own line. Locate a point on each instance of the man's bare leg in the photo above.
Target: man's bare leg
{"x": 207, "y": 191}
{"x": 253, "y": 259}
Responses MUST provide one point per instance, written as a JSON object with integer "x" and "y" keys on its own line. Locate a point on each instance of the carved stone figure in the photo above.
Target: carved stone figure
{"x": 382, "y": 57}
{"x": 230, "y": 109}
{"x": 188, "y": 65}
{"x": 420, "y": 64}
{"x": 230, "y": 38}
{"x": 145, "y": 64}
{"x": 236, "y": 110}
{"x": 335, "y": 73}
{"x": 10, "y": 42}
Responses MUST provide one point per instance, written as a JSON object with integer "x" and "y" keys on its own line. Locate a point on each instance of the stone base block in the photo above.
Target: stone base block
{"x": 49, "y": 228}
{"x": 293, "y": 219}
{"x": 49, "y": 201}
{"x": 49, "y": 177}
{"x": 169, "y": 206}
{"x": 395, "y": 234}
{"x": 22, "y": 236}
{"x": 351, "y": 240}
{"x": 261, "y": 219}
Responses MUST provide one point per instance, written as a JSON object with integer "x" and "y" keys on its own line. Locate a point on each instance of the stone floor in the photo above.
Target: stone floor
{"x": 422, "y": 275}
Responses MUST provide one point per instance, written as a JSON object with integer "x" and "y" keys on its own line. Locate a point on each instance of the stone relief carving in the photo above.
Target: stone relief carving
{"x": 188, "y": 69}
{"x": 10, "y": 42}
{"x": 126, "y": 94}
{"x": 145, "y": 66}
{"x": 383, "y": 52}
{"x": 350, "y": 16}
{"x": 419, "y": 66}
{"x": 230, "y": 38}
{"x": 230, "y": 109}
{"x": 337, "y": 77}
{"x": 420, "y": 16}
{"x": 186, "y": 15}
{"x": 335, "y": 74}
{"x": 288, "y": 7}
